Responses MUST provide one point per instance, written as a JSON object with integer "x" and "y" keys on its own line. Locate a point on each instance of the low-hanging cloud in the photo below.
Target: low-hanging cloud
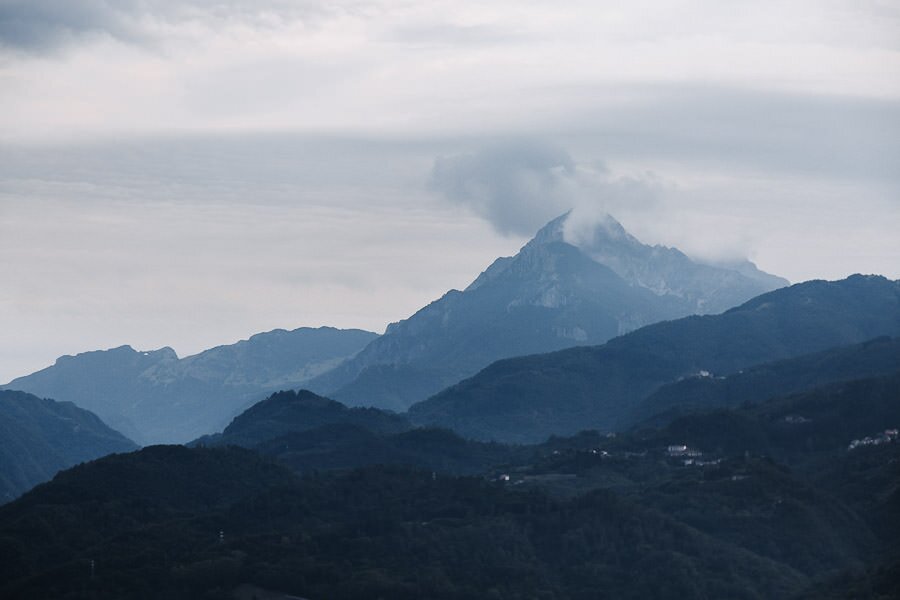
{"x": 519, "y": 186}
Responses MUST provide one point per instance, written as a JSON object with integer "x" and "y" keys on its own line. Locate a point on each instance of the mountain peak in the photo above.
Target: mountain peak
{"x": 123, "y": 354}
{"x": 556, "y": 231}
{"x": 601, "y": 229}
{"x": 552, "y": 231}
{"x": 584, "y": 233}
{"x": 702, "y": 288}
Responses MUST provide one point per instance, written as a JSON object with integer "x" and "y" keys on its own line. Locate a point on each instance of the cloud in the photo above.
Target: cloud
{"x": 519, "y": 186}
{"x": 514, "y": 186}
{"x": 451, "y": 34}
{"x": 37, "y": 26}
{"x": 729, "y": 127}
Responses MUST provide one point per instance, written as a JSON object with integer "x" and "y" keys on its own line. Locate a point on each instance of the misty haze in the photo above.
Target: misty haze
{"x": 444, "y": 300}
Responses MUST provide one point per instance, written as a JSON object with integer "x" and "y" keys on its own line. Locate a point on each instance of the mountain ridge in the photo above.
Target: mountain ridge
{"x": 525, "y": 399}
{"x": 155, "y": 396}
{"x": 549, "y": 296}
{"x": 755, "y": 384}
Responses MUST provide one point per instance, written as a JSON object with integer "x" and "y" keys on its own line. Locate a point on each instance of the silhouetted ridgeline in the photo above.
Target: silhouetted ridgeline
{"x": 308, "y": 432}
{"x": 289, "y": 411}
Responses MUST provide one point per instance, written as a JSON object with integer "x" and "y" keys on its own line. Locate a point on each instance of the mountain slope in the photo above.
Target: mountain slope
{"x": 811, "y": 426}
{"x": 39, "y": 437}
{"x": 551, "y": 295}
{"x": 782, "y": 478}
{"x": 525, "y": 399}
{"x": 311, "y": 433}
{"x": 155, "y": 396}
{"x": 880, "y": 356}
{"x": 704, "y": 288}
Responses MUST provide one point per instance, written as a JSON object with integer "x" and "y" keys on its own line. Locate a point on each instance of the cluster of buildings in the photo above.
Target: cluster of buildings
{"x": 796, "y": 419}
{"x": 689, "y": 456}
{"x": 889, "y": 435}
{"x": 681, "y": 450}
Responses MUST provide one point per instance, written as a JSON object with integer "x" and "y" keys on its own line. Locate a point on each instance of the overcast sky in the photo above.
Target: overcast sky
{"x": 190, "y": 172}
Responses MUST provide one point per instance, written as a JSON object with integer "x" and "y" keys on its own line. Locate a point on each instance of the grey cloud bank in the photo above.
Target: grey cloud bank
{"x": 817, "y": 135}
{"x": 383, "y": 68}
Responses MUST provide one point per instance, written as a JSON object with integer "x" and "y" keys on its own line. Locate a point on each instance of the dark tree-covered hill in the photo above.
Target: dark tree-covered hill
{"x": 880, "y": 356}
{"x": 188, "y": 523}
{"x": 289, "y": 411}
{"x": 308, "y": 432}
{"x": 349, "y": 446}
{"x": 39, "y": 437}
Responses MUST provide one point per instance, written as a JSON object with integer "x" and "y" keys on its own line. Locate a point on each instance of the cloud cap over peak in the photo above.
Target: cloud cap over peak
{"x": 520, "y": 185}
{"x": 514, "y": 185}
